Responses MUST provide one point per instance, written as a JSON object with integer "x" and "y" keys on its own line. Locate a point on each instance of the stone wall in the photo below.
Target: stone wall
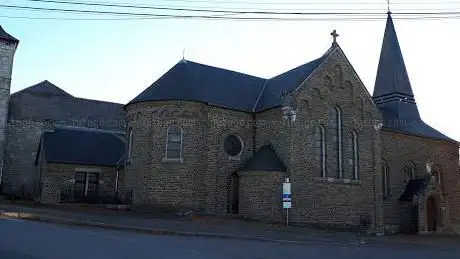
{"x": 201, "y": 179}
{"x": 30, "y": 113}
{"x": 21, "y": 151}
{"x": 260, "y": 195}
{"x": 399, "y": 150}
{"x": 7, "y": 51}
{"x": 59, "y": 176}
{"x": 331, "y": 200}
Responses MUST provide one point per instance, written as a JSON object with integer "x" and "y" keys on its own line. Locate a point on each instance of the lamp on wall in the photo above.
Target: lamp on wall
{"x": 378, "y": 126}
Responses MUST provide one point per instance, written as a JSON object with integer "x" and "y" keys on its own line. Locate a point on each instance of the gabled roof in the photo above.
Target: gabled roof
{"x": 265, "y": 159}
{"x": 190, "y": 81}
{"x": 7, "y": 37}
{"x": 289, "y": 81}
{"x": 45, "y": 88}
{"x": 83, "y": 146}
{"x": 393, "y": 93}
{"x": 45, "y": 101}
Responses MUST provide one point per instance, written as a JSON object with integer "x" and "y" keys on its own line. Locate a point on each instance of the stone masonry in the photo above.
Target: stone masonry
{"x": 206, "y": 178}
{"x": 328, "y": 200}
{"x": 60, "y": 176}
{"x": 31, "y": 113}
{"x": 400, "y": 150}
{"x": 7, "y": 51}
{"x": 260, "y": 194}
{"x": 200, "y": 180}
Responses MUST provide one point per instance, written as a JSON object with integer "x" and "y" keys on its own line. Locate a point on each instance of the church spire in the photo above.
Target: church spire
{"x": 392, "y": 86}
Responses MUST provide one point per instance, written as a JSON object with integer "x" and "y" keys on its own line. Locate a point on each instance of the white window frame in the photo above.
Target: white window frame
{"x": 180, "y": 158}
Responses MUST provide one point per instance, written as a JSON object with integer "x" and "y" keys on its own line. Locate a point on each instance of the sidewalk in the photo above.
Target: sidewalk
{"x": 211, "y": 227}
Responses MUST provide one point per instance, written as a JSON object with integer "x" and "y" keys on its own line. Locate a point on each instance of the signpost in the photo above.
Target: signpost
{"x": 287, "y": 198}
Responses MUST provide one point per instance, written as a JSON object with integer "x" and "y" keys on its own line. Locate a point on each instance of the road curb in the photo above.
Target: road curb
{"x": 170, "y": 232}
{"x": 57, "y": 220}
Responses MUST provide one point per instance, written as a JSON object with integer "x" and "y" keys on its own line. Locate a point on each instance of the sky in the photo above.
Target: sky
{"x": 115, "y": 60}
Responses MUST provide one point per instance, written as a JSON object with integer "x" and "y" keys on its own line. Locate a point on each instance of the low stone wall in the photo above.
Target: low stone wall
{"x": 260, "y": 195}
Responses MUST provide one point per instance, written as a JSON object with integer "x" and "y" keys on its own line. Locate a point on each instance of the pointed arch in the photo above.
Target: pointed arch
{"x": 338, "y": 76}
{"x": 174, "y": 143}
{"x": 349, "y": 86}
{"x": 438, "y": 176}
{"x": 316, "y": 93}
{"x": 320, "y": 145}
{"x": 410, "y": 171}
{"x": 360, "y": 104}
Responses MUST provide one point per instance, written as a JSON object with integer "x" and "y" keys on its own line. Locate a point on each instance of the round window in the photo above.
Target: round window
{"x": 233, "y": 145}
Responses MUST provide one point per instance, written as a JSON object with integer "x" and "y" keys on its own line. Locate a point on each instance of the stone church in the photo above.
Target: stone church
{"x": 222, "y": 142}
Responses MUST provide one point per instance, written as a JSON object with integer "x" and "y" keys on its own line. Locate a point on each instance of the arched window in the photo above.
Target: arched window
{"x": 386, "y": 183}
{"x": 339, "y": 144}
{"x": 130, "y": 143}
{"x": 174, "y": 143}
{"x": 320, "y": 146}
{"x": 409, "y": 172}
{"x": 354, "y": 155}
{"x": 437, "y": 175}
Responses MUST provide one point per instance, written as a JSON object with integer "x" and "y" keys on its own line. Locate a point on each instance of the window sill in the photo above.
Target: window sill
{"x": 173, "y": 160}
{"x": 337, "y": 180}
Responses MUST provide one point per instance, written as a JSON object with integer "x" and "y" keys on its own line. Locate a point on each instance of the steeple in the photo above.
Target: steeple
{"x": 393, "y": 90}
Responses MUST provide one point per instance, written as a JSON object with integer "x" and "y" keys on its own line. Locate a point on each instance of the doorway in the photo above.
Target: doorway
{"x": 431, "y": 214}
{"x": 233, "y": 193}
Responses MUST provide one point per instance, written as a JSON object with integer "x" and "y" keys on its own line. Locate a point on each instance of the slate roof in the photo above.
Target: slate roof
{"x": 79, "y": 146}
{"x": 5, "y": 36}
{"x": 44, "y": 88}
{"x": 46, "y": 101}
{"x": 393, "y": 92}
{"x": 413, "y": 187}
{"x": 191, "y": 81}
{"x": 265, "y": 159}
{"x": 289, "y": 81}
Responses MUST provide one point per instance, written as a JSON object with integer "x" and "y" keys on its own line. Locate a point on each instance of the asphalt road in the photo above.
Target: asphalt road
{"x": 33, "y": 240}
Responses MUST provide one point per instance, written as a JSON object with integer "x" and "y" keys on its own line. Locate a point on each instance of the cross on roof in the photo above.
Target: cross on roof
{"x": 334, "y": 36}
